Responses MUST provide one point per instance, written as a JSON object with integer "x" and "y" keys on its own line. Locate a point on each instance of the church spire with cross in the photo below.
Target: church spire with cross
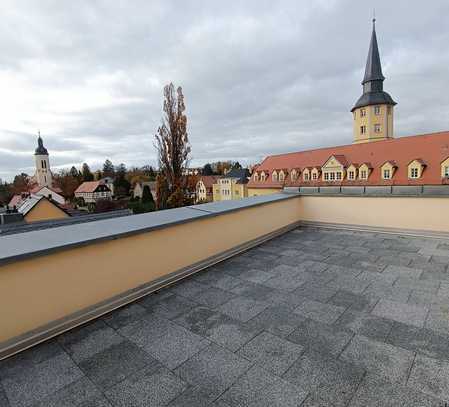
{"x": 373, "y": 111}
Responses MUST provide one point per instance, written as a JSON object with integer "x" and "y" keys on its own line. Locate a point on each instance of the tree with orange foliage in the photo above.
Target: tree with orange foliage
{"x": 172, "y": 144}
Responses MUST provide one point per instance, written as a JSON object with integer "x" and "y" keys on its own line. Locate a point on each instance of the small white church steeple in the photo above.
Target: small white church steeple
{"x": 43, "y": 173}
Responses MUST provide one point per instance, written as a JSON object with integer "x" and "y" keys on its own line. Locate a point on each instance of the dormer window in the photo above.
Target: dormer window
{"x": 446, "y": 172}
{"x": 387, "y": 174}
{"x": 274, "y": 176}
{"x": 306, "y": 176}
{"x": 351, "y": 175}
{"x": 416, "y": 168}
{"x": 256, "y": 177}
{"x": 281, "y": 176}
{"x": 414, "y": 173}
{"x": 294, "y": 175}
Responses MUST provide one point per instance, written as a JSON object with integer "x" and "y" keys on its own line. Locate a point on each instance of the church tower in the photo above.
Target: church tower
{"x": 373, "y": 112}
{"x": 43, "y": 173}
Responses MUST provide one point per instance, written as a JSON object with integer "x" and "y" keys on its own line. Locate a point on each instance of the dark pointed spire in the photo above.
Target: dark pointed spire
{"x": 373, "y": 92}
{"x": 373, "y": 70}
{"x": 40, "y": 150}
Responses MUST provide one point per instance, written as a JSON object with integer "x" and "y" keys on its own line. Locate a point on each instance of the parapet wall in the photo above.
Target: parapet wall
{"x": 52, "y": 280}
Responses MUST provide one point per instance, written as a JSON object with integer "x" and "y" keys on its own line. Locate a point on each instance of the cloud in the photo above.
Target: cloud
{"x": 259, "y": 77}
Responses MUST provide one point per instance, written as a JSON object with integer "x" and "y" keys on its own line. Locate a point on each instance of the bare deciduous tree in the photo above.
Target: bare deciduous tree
{"x": 172, "y": 144}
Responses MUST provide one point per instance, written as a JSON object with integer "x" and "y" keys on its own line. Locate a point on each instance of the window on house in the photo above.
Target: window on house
{"x": 314, "y": 176}
{"x": 446, "y": 171}
{"x": 362, "y": 112}
{"x": 414, "y": 173}
{"x": 281, "y": 176}
{"x": 363, "y": 174}
{"x": 362, "y": 129}
{"x": 256, "y": 177}
{"x": 294, "y": 175}
{"x": 351, "y": 175}
{"x": 387, "y": 174}
{"x": 377, "y": 110}
{"x": 338, "y": 175}
{"x": 274, "y": 176}
{"x": 377, "y": 128}
{"x": 306, "y": 176}
{"x": 332, "y": 176}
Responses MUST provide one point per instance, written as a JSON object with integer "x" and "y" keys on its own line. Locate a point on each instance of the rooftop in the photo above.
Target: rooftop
{"x": 315, "y": 317}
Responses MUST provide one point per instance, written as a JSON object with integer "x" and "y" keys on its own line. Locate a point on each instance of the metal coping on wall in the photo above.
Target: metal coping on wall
{"x": 423, "y": 191}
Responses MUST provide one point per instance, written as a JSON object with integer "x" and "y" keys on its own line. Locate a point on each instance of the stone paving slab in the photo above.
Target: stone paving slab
{"x": 214, "y": 369}
{"x": 272, "y": 353}
{"x": 431, "y": 376}
{"x": 328, "y": 379}
{"x": 258, "y": 388}
{"x": 406, "y": 313}
{"x": 379, "y": 358}
{"x": 320, "y": 312}
{"x": 313, "y": 318}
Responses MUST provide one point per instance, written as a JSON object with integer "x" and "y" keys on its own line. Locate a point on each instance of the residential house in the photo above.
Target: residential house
{"x": 204, "y": 188}
{"x": 92, "y": 191}
{"x": 231, "y": 186}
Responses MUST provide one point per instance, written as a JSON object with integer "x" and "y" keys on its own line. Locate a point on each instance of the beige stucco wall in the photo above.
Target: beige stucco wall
{"x": 37, "y": 291}
{"x": 389, "y": 212}
{"x": 263, "y": 191}
{"x": 45, "y": 210}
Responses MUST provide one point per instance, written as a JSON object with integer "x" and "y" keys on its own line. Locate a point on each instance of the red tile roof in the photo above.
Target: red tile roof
{"x": 431, "y": 149}
{"x": 209, "y": 180}
{"x": 88, "y": 186}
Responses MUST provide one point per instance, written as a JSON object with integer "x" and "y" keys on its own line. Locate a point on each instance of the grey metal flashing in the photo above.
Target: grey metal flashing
{"x": 40, "y": 242}
{"x": 43, "y": 333}
{"x": 353, "y": 190}
{"x": 422, "y": 191}
{"x": 330, "y": 190}
{"x": 309, "y": 190}
{"x": 378, "y": 190}
{"x": 407, "y": 190}
{"x": 436, "y": 190}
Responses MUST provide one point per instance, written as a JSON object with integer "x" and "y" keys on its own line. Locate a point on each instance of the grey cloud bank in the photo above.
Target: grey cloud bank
{"x": 259, "y": 77}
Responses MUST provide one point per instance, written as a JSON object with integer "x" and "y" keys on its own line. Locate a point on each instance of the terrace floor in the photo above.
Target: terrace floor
{"x": 312, "y": 318}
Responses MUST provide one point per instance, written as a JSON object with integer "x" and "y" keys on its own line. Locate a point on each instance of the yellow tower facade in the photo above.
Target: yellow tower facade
{"x": 374, "y": 111}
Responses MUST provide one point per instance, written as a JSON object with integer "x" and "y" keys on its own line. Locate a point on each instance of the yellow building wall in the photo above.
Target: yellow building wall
{"x": 263, "y": 191}
{"x": 45, "y": 210}
{"x": 369, "y": 120}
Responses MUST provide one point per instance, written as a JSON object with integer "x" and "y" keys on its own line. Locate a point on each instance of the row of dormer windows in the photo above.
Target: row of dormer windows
{"x": 387, "y": 172}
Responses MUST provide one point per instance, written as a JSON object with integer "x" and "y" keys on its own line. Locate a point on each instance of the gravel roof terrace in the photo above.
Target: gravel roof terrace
{"x": 313, "y": 318}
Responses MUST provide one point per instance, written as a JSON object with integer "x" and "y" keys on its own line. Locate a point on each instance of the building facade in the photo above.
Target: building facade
{"x": 231, "y": 186}
{"x": 205, "y": 188}
{"x": 92, "y": 191}
{"x": 375, "y": 158}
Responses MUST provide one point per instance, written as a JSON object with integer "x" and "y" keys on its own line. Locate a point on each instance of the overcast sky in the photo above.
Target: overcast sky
{"x": 259, "y": 77}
